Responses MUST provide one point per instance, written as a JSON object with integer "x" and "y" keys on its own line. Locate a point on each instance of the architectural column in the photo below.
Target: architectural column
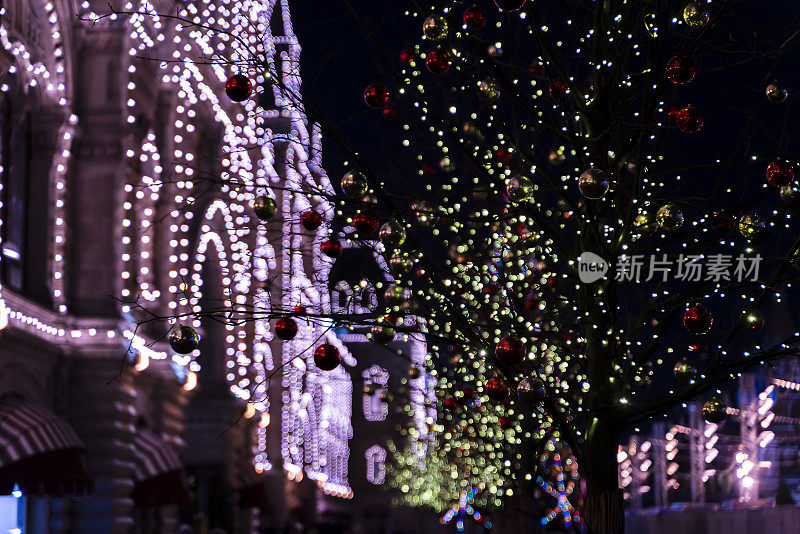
{"x": 101, "y": 394}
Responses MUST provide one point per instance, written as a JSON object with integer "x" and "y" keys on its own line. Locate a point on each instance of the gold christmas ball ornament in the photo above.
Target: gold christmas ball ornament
{"x": 776, "y": 93}
{"x": 714, "y": 411}
{"x": 751, "y": 225}
{"x": 265, "y": 207}
{"x": 354, "y": 185}
{"x": 669, "y": 217}
{"x": 392, "y": 234}
{"x": 519, "y": 188}
{"x": 593, "y": 184}
{"x": 435, "y": 28}
{"x": 414, "y": 373}
{"x": 695, "y": 16}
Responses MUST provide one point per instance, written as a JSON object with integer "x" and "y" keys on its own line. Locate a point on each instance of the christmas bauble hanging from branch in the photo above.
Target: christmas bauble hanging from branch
{"x": 474, "y": 18}
{"x": 680, "y": 70}
{"x": 238, "y": 87}
{"x": 435, "y": 27}
{"x": 265, "y": 207}
{"x": 286, "y": 328}
{"x": 714, "y": 411}
{"x": 327, "y": 357}
{"x": 311, "y": 220}
{"x": 376, "y": 96}
{"x": 354, "y": 185}
{"x": 593, "y": 184}
{"x": 184, "y": 339}
{"x": 697, "y": 319}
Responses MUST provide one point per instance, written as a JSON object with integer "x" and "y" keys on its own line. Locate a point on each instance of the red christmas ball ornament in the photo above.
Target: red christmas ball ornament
{"x": 327, "y": 357}
{"x": 286, "y": 328}
{"x": 510, "y": 350}
{"x": 474, "y": 17}
{"x": 553, "y": 282}
{"x": 690, "y": 120}
{"x": 366, "y": 222}
{"x": 450, "y": 403}
{"x": 438, "y": 61}
{"x": 238, "y": 87}
{"x": 496, "y": 389}
{"x": 509, "y": 5}
{"x": 723, "y": 224}
{"x": 680, "y": 70}
{"x": 697, "y": 319}
{"x": 310, "y": 220}
{"x": 376, "y": 95}
{"x": 780, "y": 173}
{"x": 331, "y": 248}
{"x": 504, "y": 423}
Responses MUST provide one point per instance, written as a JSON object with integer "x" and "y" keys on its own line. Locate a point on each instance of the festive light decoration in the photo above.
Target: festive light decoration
{"x": 562, "y": 484}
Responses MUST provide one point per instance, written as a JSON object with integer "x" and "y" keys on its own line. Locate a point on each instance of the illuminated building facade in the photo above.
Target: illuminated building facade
{"x": 127, "y": 184}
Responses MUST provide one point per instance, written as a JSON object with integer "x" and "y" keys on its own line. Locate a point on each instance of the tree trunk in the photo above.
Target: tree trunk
{"x": 603, "y": 506}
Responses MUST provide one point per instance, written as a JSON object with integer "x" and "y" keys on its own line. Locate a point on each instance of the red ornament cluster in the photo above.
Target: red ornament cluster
{"x": 474, "y": 17}
{"x": 238, "y": 87}
{"x": 438, "y": 61}
{"x": 286, "y": 328}
{"x": 327, "y": 357}
{"x": 366, "y": 222}
{"x": 311, "y": 220}
{"x": 376, "y": 96}
{"x": 697, "y": 319}
{"x": 331, "y": 248}
{"x": 780, "y": 173}
{"x": 510, "y": 350}
{"x": 690, "y": 120}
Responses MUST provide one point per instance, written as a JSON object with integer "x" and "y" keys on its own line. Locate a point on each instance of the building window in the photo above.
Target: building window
{"x": 375, "y": 381}
{"x": 376, "y": 464}
{"x": 25, "y": 197}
